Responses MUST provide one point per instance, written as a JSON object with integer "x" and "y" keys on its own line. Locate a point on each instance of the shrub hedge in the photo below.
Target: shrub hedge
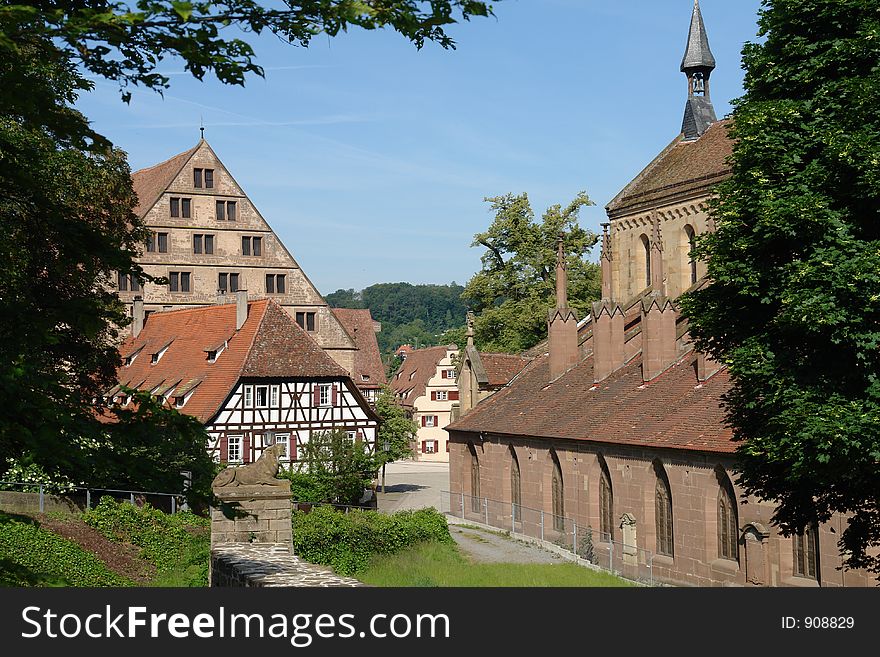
{"x": 347, "y": 541}
{"x": 30, "y": 556}
{"x": 178, "y": 542}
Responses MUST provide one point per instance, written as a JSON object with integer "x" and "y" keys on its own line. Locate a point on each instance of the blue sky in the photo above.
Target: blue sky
{"x": 371, "y": 159}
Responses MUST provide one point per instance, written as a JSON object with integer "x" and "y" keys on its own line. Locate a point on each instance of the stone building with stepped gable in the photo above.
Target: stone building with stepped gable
{"x": 616, "y": 426}
{"x": 209, "y": 240}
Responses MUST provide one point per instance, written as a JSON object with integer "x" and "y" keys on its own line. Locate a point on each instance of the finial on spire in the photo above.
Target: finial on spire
{"x": 605, "y": 252}
{"x": 697, "y": 53}
{"x": 202, "y": 127}
{"x": 470, "y": 328}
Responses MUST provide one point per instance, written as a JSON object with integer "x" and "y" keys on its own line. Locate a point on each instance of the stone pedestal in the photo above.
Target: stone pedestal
{"x": 261, "y": 515}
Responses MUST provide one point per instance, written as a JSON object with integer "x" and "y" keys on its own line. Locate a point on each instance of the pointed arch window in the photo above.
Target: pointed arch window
{"x": 691, "y": 243}
{"x": 663, "y": 513}
{"x": 806, "y": 552}
{"x": 728, "y": 525}
{"x": 606, "y": 505}
{"x": 558, "y": 496}
{"x": 475, "y": 480}
{"x": 515, "y": 487}
{"x": 646, "y": 247}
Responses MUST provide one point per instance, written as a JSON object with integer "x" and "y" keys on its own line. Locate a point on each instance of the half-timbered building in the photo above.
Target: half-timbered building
{"x": 248, "y": 372}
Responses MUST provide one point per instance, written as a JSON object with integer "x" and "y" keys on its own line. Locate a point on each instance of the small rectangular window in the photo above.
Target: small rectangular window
{"x": 270, "y": 283}
{"x": 186, "y": 208}
{"x": 283, "y": 439}
{"x": 175, "y": 207}
{"x": 257, "y": 246}
{"x": 230, "y": 210}
{"x": 442, "y": 395}
{"x": 245, "y": 246}
{"x": 324, "y": 395}
{"x": 233, "y": 449}
{"x": 223, "y": 282}
{"x": 209, "y": 178}
{"x": 162, "y": 241}
{"x": 122, "y": 281}
{"x": 198, "y": 240}
{"x": 184, "y": 281}
{"x": 209, "y": 244}
{"x": 233, "y": 282}
{"x": 429, "y": 420}
{"x": 174, "y": 281}
{"x": 248, "y": 396}
{"x": 273, "y": 397}
{"x": 197, "y": 178}
{"x": 275, "y": 283}
{"x": 306, "y": 320}
{"x": 262, "y": 396}
{"x": 151, "y": 243}
{"x": 221, "y": 210}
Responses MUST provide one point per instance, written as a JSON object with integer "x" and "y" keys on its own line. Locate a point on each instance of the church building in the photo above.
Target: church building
{"x": 612, "y": 440}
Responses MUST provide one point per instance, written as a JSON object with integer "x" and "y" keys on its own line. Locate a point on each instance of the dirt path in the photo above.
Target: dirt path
{"x": 487, "y": 547}
{"x": 122, "y": 559}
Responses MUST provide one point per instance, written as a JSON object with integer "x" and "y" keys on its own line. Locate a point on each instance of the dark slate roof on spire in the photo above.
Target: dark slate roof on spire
{"x": 697, "y": 54}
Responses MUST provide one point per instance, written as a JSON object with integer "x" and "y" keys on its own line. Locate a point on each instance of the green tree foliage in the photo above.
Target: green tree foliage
{"x": 513, "y": 291}
{"x": 332, "y": 468}
{"x": 410, "y": 314}
{"x": 127, "y": 41}
{"x": 395, "y": 429}
{"x": 794, "y": 307}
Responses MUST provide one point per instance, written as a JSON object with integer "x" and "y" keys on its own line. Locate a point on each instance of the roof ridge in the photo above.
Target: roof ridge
{"x": 163, "y": 162}
{"x": 170, "y": 311}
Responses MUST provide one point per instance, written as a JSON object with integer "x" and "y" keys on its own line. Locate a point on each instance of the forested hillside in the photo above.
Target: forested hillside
{"x": 410, "y": 314}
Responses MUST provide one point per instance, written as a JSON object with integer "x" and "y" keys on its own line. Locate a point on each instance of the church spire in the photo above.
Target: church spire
{"x": 697, "y": 64}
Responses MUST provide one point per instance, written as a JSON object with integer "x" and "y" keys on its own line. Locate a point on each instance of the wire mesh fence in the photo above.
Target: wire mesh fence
{"x": 30, "y": 496}
{"x": 600, "y": 549}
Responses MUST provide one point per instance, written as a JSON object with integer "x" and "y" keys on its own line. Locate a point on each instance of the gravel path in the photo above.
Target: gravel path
{"x": 486, "y": 547}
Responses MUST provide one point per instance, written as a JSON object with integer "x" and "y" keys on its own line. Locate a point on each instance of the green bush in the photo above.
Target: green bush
{"x": 178, "y": 545}
{"x": 347, "y": 541}
{"x": 30, "y": 556}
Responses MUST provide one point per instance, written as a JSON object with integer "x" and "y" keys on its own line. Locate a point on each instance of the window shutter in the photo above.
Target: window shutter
{"x": 447, "y": 446}
{"x": 433, "y": 395}
{"x": 335, "y": 395}
{"x": 436, "y": 446}
{"x": 453, "y": 395}
{"x": 224, "y": 449}
{"x": 316, "y": 395}
{"x": 436, "y": 424}
{"x": 442, "y": 374}
{"x": 424, "y": 443}
{"x": 423, "y": 420}
{"x": 246, "y": 449}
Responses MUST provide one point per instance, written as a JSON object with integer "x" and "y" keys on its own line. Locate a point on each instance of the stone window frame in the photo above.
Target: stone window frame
{"x": 606, "y": 502}
{"x": 664, "y": 520}
{"x": 476, "y": 507}
{"x": 805, "y": 553}
{"x": 727, "y": 519}
{"x": 515, "y": 486}
{"x": 557, "y": 493}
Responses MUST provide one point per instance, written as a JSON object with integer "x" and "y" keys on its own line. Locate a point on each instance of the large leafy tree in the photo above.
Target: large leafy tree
{"x": 66, "y": 200}
{"x": 794, "y": 307}
{"x": 126, "y": 41}
{"x": 397, "y": 432}
{"x": 516, "y": 286}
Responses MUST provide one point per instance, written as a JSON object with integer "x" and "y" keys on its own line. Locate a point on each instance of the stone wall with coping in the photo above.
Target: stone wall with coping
{"x": 268, "y": 565}
{"x": 260, "y": 514}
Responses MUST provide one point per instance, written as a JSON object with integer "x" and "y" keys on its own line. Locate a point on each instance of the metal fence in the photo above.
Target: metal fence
{"x": 601, "y": 550}
{"x": 36, "y": 497}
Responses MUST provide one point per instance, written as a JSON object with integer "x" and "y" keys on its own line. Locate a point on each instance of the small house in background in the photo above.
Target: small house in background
{"x": 425, "y": 386}
{"x": 368, "y": 372}
{"x": 248, "y": 372}
{"x": 403, "y": 351}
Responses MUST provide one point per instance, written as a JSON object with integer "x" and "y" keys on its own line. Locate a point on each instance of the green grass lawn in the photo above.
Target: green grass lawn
{"x": 437, "y": 564}
{"x": 31, "y": 556}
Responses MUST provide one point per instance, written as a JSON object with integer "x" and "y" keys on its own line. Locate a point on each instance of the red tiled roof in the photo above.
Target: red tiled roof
{"x": 501, "y": 368}
{"x": 415, "y": 372}
{"x": 672, "y": 411}
{"x": 367, "y": 361}
{"x": 682, "y": 167}
{"x": 149, "y": 183}
{"x": 269, "y": 344}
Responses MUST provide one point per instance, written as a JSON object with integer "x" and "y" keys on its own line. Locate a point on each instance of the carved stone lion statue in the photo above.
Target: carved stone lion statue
{"x": 261, "y": 472}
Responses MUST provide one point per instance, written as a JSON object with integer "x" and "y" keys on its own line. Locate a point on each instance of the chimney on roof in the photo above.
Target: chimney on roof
{"x": 241, "y": 308}
{"x": 608, "y": 321}
{"x": 137, "y": 316}
{"x": 561, "y": 321}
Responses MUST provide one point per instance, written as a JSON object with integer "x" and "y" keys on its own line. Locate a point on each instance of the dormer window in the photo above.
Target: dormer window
{"x": 154, "y": 358}
{"x": 214, "y": 353}
{"x": 411, "y": 375}
{"x": 180, "y": 400}
{"x": 131, "y": 357}
{"x": 365, "y": 377}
